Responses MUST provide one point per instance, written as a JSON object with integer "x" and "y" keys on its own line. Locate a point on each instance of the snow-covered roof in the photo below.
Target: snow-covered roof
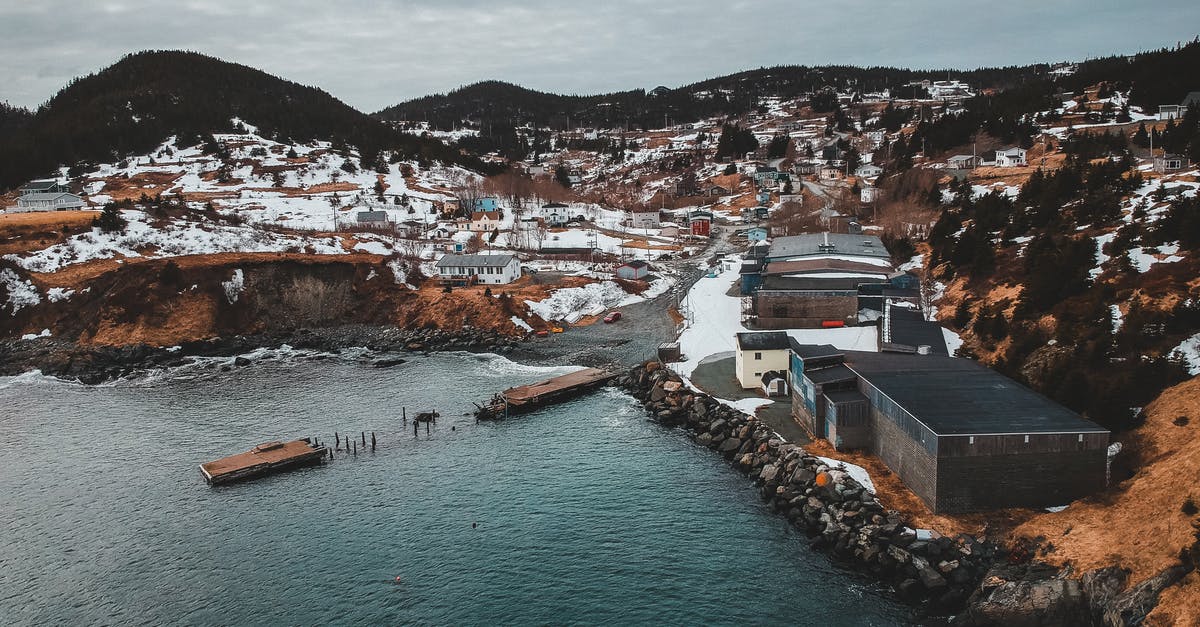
{"x": 42, "y": 196}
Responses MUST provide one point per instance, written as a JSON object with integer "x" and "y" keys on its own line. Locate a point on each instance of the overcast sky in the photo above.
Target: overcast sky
{"x": 372, "y": 54}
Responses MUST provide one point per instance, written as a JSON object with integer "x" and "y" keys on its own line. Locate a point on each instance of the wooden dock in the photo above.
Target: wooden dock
{"x": 263, "y": 459}
{"x": 524, "y": 398}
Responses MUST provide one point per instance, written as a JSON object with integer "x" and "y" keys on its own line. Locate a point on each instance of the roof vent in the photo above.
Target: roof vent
{"x": 923, "y": 349}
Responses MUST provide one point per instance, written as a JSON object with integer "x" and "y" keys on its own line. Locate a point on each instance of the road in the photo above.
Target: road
{"x": 643, "y": 326}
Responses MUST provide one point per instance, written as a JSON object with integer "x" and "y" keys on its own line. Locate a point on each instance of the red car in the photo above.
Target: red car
{"x": 612, "y": 316}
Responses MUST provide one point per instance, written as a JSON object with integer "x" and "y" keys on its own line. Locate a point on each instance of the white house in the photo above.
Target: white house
{"x": 1010, "y": 157}
{"x": 633, "y": 270}
{"x": 484, "y": 221}
{"x": 876, "y": 137}
{"x": 868, "y": 170}
{"x": 485, "y": 269}
{"x": 644, "y": 220}
{"x": 963, "y": 162}
{"x": 1168, "y": 112}
{"x": 868, "y": 193}
{"x": 759, "y": 353}
{"x": 47, "y": 201}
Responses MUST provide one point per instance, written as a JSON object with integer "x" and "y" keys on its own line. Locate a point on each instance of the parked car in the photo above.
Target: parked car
{"x": 573, "y": 224}
{"x": 612, "y": 316}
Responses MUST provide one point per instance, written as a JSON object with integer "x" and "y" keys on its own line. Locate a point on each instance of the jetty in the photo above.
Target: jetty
{"x": 263, "y": 459}
{"x": 526, "y": 398}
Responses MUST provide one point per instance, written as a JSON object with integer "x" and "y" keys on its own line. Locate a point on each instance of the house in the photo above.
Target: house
{"x": 1165, "y": 164}
{"x": 868, "y": 170}
{"x": 485, "y": 205}
{"x": 962, "y": 437}
{"x": 47, "y": 201}
{"x": 1169, "y": 112}
{"x": 804, "y": 167}
{"x": 963, "y": 162}
{"x": 1010, "y": 157}
{"x": 717, "y": 190}
{"x": 44, "y": 186}
{"x": 830, "y": 173}
{"x": 372, "y": 217}
{"x": 756, "y": 234}
{"x": 876, "y": 137}
{"x": 633, "y": 270}
{"x": 484, "y": 221}
{"x": 485, "y": 269}
{"x": 555, "y": 214}
{"x": 536, "y": 170}
{"x": 700, "y": 223}
{"x": 644, "y": 220}
{"x": 758, "y": 353}
{"x": 868, "y": 193}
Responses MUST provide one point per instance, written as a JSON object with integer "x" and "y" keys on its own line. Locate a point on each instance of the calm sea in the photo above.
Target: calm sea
{"x": 585, "y": 513}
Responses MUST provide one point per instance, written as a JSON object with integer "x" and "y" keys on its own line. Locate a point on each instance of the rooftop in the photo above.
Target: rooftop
{"x": 636, "y": 263}
{"x": 827, "y": 244}
{"x": 813, "y": 351}
{"x": 474, "y": 261}
{"x": 908, "y": 327}
{"x": 764, "y": 341}
{"x": 953, "y": 396}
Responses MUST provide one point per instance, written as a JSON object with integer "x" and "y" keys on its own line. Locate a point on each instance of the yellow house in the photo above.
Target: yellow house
{"x": 758, "y": 354}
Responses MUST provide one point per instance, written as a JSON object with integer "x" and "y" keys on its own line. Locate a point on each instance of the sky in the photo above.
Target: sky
{"x": 372, "y": 54}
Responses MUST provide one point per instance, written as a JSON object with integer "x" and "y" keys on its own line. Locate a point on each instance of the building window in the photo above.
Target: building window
{"x": 757, "y": 355}
{"x": 1027, "y": 439}
{"x": 758, "y": 374}
{"x": 971, "y": 440}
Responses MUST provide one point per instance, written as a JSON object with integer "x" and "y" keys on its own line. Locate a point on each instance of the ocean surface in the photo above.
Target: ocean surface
{"x": 586, "y": 513}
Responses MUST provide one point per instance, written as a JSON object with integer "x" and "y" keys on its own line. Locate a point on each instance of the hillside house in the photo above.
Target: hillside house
{"x": 717, "y": 190}
{"x": 1010, "y": 157}
{"x": 633, "y": 270}
{"x": 868, "y": 170}
{"x": 1166, "y": 164}
{"x": 756, "y": 234}
{"x": 484, "y": 222}
{"x": 830, "y": 173}
{"x": 485, "y": 205}
{"x": 47, "y": 201}
{"x": 757, "y": 354}
{"x": 962, "y": 437}
{"x": 700, "y": 223}
{"x": 876, "y": 137}
{"x": 868, "y": 193}
{"x": 44, "y": 186}
{"x": 804, "y": 167}
{"x": 963, "y": 162}
{"x": 372, "y": 217}
{"x": 486, "y": 269}
{"x": 645, "y": 220}
{"x": 1169, "y": 112}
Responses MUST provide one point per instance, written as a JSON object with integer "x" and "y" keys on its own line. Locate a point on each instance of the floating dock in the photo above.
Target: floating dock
{"x": 263, "y": 459}
{"x": 525, "y": 398}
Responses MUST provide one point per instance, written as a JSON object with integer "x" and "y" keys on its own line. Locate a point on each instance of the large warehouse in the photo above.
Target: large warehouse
{"x": 961, "y": 436}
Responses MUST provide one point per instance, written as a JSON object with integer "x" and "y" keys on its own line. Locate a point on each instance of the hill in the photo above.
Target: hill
{"x": 137, "y": 103}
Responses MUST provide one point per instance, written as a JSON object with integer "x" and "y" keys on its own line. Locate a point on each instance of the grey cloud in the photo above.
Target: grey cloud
{"x": 373, "y": 54}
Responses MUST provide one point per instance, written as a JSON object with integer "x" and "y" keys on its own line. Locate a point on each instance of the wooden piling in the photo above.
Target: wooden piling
{"x": 356, "y": 448}
{"x": 364, "y": 438}
{"x": 404, "y": 415}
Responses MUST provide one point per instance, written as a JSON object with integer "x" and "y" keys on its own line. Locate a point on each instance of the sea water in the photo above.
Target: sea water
{"x": 583, "y": 513}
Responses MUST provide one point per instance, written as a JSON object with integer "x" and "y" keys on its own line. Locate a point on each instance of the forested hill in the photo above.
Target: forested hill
{"x": 135, "y": 104}
{"x": 1160, "y": 76}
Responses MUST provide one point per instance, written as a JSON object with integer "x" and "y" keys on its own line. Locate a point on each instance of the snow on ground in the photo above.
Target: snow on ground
{"x": 1101, "y": 258}
{"x": 168, "y": 239}
{"x": 572, "y": 303}
{"x": 521, "y": 323}
{"x": 234, "y": 286}
{"x": 858, "y": 473}
{"x": 715, "y": 317}
{"x": 36, "y": 336}
{"x": 21, "y": 294}
{"x": 1189, "y": 351}
{"x": 1116, "y": 317}
{"x": 1143, "y": 260}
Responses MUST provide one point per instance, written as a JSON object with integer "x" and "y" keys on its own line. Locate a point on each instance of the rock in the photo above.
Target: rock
{"x": 730, "y": 445}
{"x": 241, "y": 362}
{"x": 415, "y": 346}
{"x": 704, "y": 439}
{"x": 1102, "y": 586}
{"x": 387, "y": 363}
{"x": 717, "y": 425}
{"x": 657, "y": 394}
{"x": 930, "y": 577}
{"x": 803, "y": 476}
{"x": 1132, "y": 606}
{"x": 769, "y": 473}
{"x": 1029, "y": 604}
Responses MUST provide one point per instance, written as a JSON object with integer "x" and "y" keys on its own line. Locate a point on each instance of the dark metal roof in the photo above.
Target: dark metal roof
{"x": 829, "y": 375}
{"x": 763, "y": 340}
{"x": 813, "y": 351}
{"x": 908, "y": 327}
{"x": 636, "y": 263}
{"x": 845, "y": 396}
{"x": 955, "y": 396}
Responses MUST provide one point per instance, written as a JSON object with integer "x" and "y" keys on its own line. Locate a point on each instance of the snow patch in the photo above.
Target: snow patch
{"x": 858, "y": 473}
{"x": 21, "y": 294}
{"x": 1188, "y": 352}
{"x": 234, "y": 286}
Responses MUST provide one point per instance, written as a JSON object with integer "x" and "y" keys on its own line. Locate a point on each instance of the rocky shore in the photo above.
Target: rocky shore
{"x": 97, "y": 364}
{"x": 977, "y": 581}
{"x": 836, "y": 511}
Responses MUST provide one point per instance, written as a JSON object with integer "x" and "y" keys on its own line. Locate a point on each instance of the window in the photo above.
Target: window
{"x": 758, "y": 374}
{"x": 971, "y": 440}
{"x": 1027, "y": 439}
{"x": 757, "y": 356}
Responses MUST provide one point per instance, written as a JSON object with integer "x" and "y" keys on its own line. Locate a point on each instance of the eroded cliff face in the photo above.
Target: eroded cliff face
{"x": 168, "y": 302}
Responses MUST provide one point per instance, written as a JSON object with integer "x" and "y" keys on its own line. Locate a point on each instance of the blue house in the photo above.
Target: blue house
{"x": 756, "y": 234}
{"x": 485, "y": 204}
{"x": 763, "y": 198}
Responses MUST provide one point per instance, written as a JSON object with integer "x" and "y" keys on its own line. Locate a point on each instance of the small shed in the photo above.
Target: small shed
{"x": 756, "y": 234}
{"x": 669, "y": 352}
{"x": 700, "y": 222}
{"x": 633, "y": 270}
{"x": 372, "y": 217}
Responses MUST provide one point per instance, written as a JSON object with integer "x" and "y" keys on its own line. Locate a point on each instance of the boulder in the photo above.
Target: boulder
{"x": 730, "y": 445}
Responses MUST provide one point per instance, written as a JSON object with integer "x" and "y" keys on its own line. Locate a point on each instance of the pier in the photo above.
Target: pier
{"x": 525, "y": 398}
{"x": 263, "y": 459}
